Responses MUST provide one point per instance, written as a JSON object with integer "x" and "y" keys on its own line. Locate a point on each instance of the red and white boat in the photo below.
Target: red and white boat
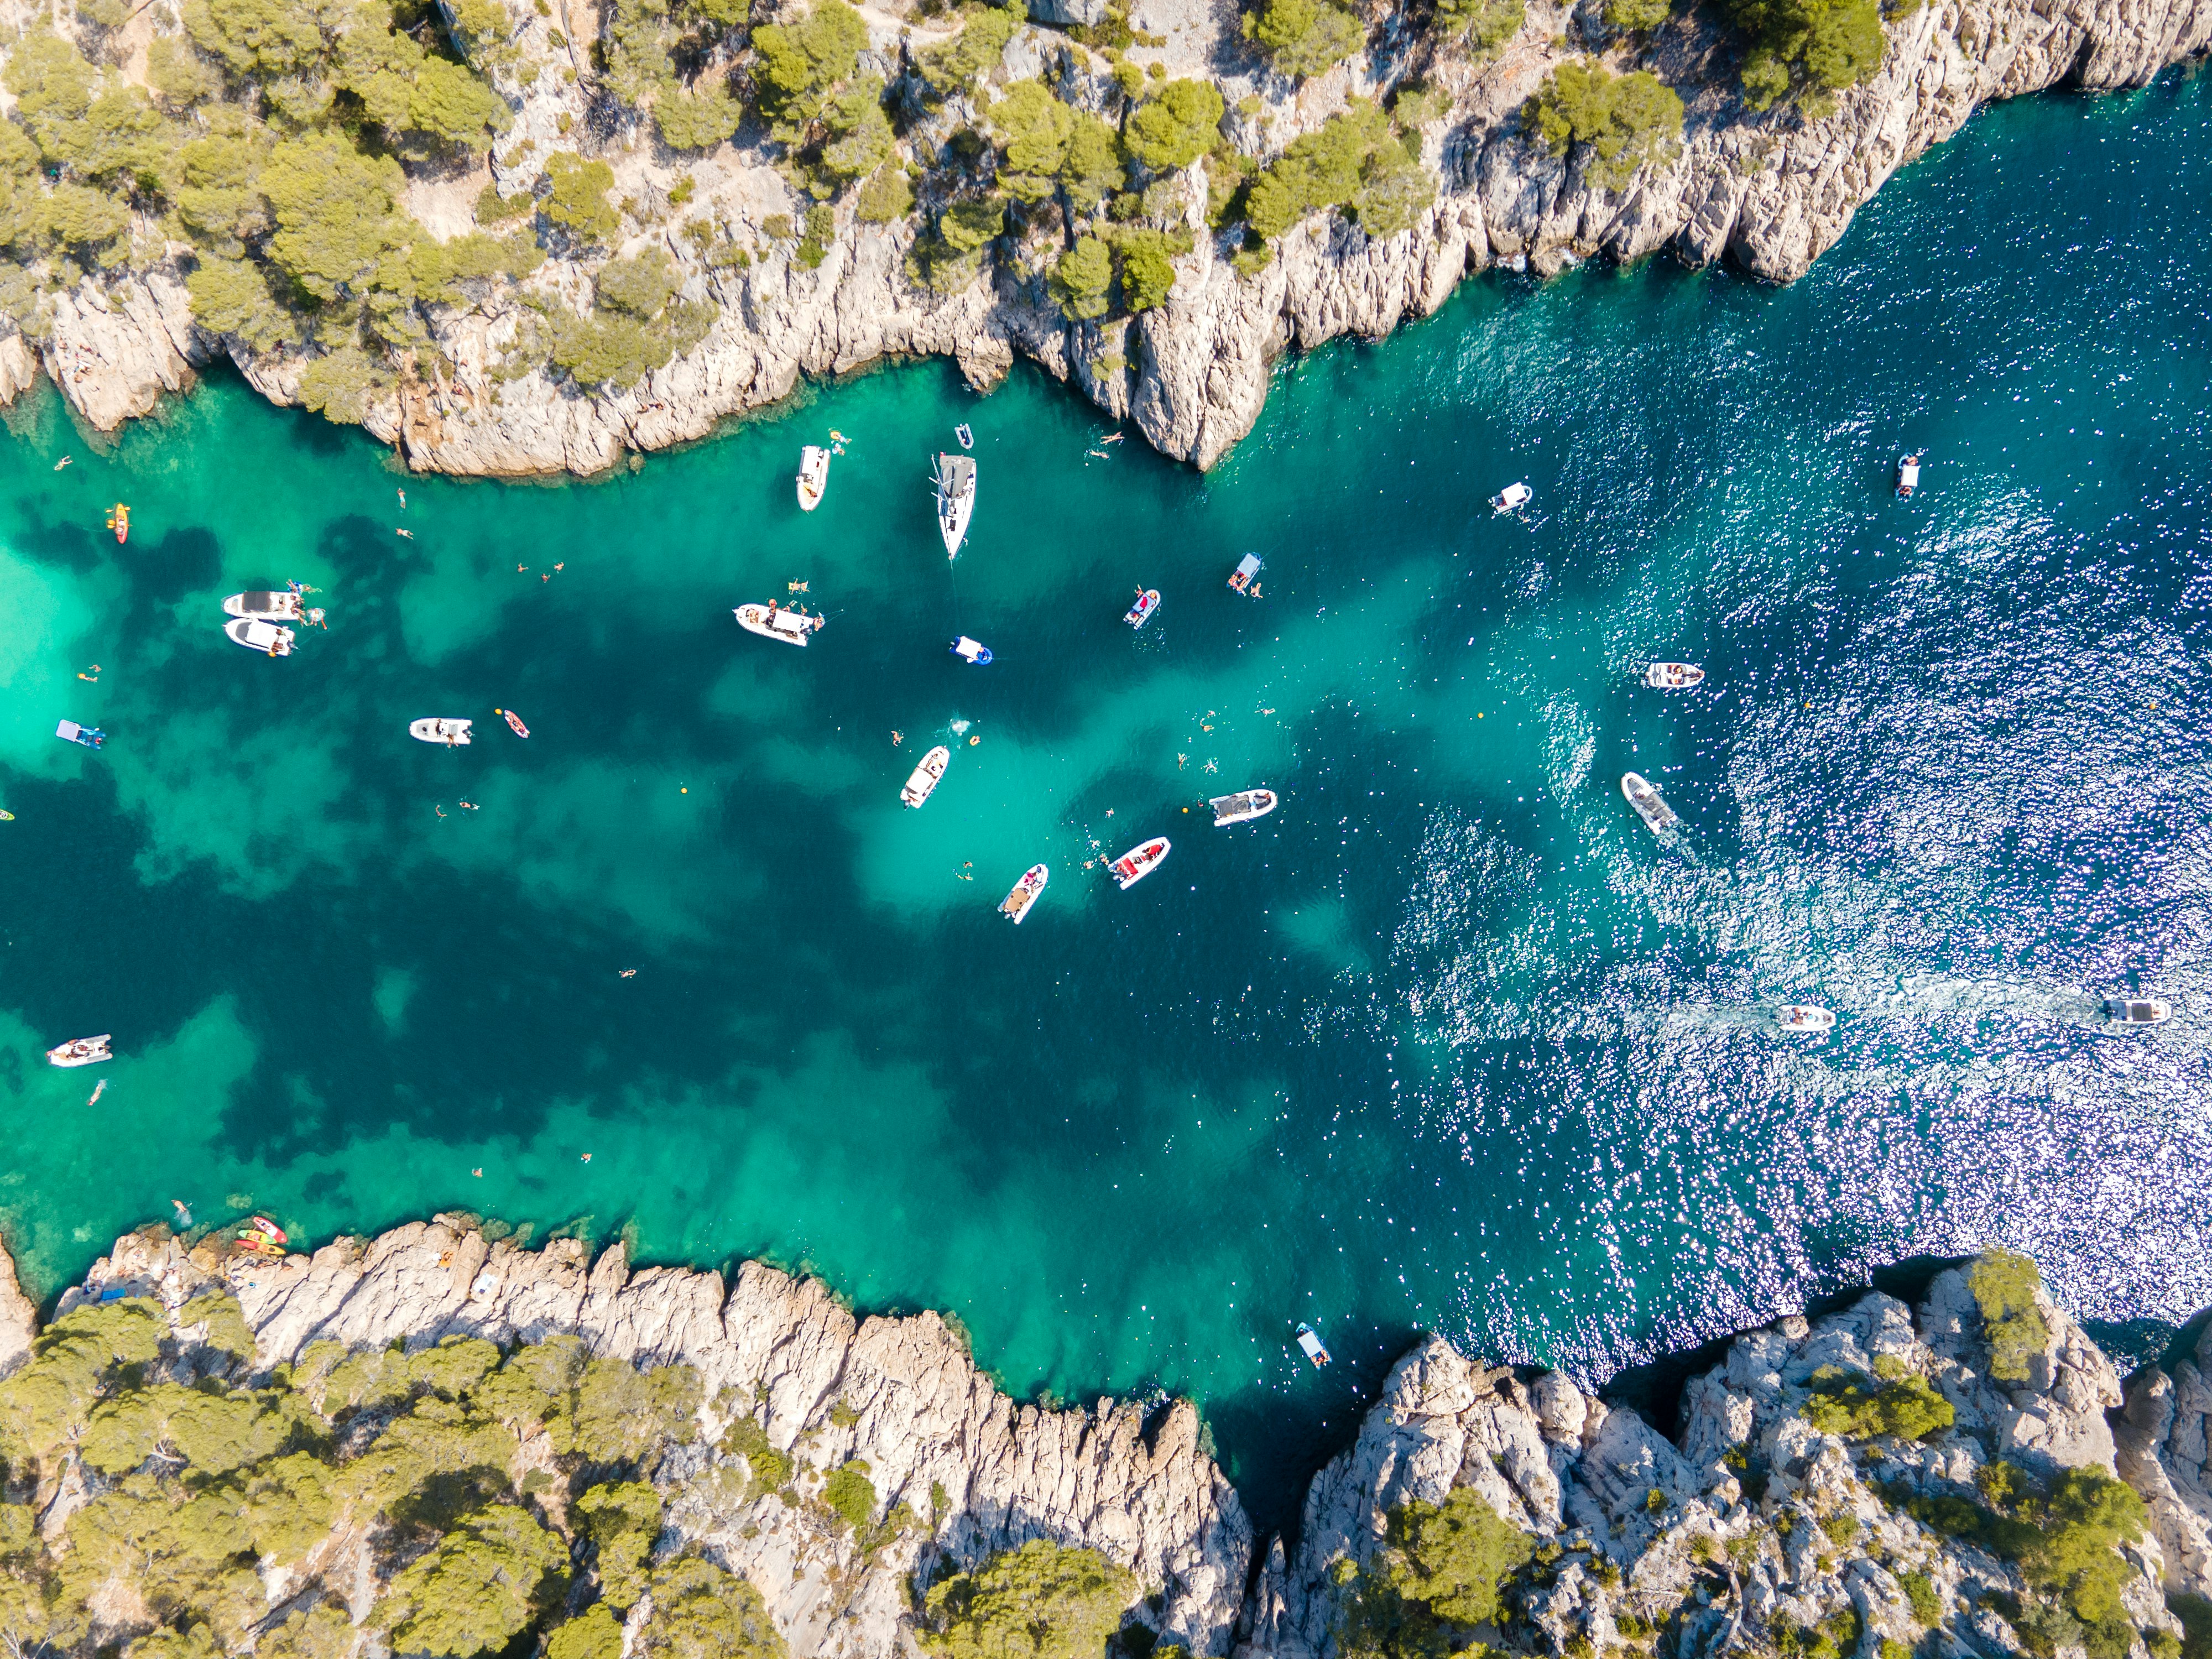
{"x": 924, "y": 779}
{"x": 514, "y": 721}
{"x": 274, "y": 1234}
{"x": 1139, "y": 861}
{"x": 80, "y": 1051}
{"x": 1016, "y": 903}
{"x": 1148, "y": 600}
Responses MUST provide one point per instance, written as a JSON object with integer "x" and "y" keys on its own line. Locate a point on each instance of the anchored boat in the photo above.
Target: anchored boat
{"x": 513, "y": 721}
{"x": 967, "y": 438}
{"x": 813, "y": 476}
{"x": 2137, "y": 1011}
{"x": 954, "y": 478}
{"x": 256, "y": 634}
{"x": 1016, "y": 903}
{"x": 1242, "y": 807}
{"x": 1648, "y": 805}
{"x": 71, "y": 731}
{"x": 925, "y": 778}
{"x": 1139, "y": 861}
{"x": 1673, "y": 676}
{"x": 1511, "y": 499}
{"x": 277, "y": 607}
{"x": 1908, "y": 476}
{"x": 81, "y": 1051}
{"x": 971, "y": 650}
{"x": 771, "y": 621}
{"x": 432, "y": 729}
{"x": 1309, "y": 1345}
{"x": 1804, "y": 1017}
{"x": 1240, "y": 580}
{"x": 1148, "y": 600}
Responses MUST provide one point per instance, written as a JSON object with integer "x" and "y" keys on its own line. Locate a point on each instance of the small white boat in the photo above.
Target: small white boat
{"x": 771, "y": 621}
{"x": 813, "y": 476}
{"x": 1673, "y": 676}
{"x": 954, "y": 478}
{"x": 1139, "y": 861}
{"x": 1242, "y": 807}
{"x": 255, "y": 635}
{"x": 1240, "y": 580}
{"x": 1804, "y": 1017}
{"x": 1646, "y": 800}
{"x": 1016, "y": 903}
{"x": 1908, "y": 476}
{"x": 1511, "y": 499}
{"x": 82, "y": 1051}
{"x": 971, "y": 650}
{"x": 432, "y": 729}
{"x": 91, "y": 737}
{"x": 1309, "y": 1345}
{"x": 279, "y": 607}
{"x": 967, "y": 438}
{"x": 924, "y": 778}
{"x": 2137, "y": 1011}
{"x": 1148, "y": 600}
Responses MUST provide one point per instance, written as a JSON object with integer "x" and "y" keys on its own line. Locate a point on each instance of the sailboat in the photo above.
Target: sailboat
{"x": 954, "y": 478}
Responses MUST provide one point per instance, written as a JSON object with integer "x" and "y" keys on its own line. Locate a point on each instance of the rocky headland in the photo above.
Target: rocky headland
{"x": 1968, "y": 1478}
{"x": 473, "y": 391}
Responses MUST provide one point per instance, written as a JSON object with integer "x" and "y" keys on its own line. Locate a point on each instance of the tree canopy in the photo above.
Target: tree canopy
{"x": 1043, "y": 1601}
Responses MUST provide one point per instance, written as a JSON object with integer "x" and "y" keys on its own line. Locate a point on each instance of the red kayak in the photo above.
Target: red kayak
{"x": 514, "y": 720}
{"x": 263, "y": 1224}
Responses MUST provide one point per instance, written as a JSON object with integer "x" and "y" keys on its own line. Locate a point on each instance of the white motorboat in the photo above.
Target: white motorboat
{"x": 81, "y": 1051}
{"x": 1804, "y": 1017}
{"x": 1908, "y": 476}
{"x": 771, "y": 621}
{"x": 279, "y": 607}
{"x": 1673, "y": 676}
{"x": 1242, "y": 807}
{"x": 2137, "y": 1011}
{"x": 971, "y": 650}
{"x": 1511, "y": 499}
{"x": 1648, "y": 805}
{"x": 924, "y": 778}
{"x": 1309, "y": 1345}
{"x": 1148, "y": 600}
{"x": 813, "y": 476}
{"x": 1139, "y": 861}
{"x": 954, "y": 478}
{"x": 1016, "y": 903}
{"x": 256, "y": 634}
{"x": 1240, "y": 580}
{"x": 432, "y": 729}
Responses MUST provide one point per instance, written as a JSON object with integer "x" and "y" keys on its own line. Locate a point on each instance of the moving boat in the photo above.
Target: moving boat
{"x": 1803, "y": 1017}
{"x": 1673, "y": 676}
{"x": 967, "y": 438}
{"x": 1908, "y": 474}
{"x": 1242, "y": 807}
{"x": 1309, "y": 1345}
{"x": 1646, "y": 800}
{"x": 954, "y": 478}
{"x": 1148, "y": 600}
{"x": 71, "y": 731}
{"x": 1511, "y": 498}
{"x": 1016, "y": 903}
{"x": 771, "y": 621}
{"x": 119, "y": 520}
{"x": 281, "y": 607}
{"x": 1139, "y": 861}
{"x": 2137, "y": 1011}
{"x": 973, "y": 650}
{"x": 432, "y": 729}
{"x": 81, "y": 1051}
{"x": 256, "y": 634}
{"x": 924, "y": 778}
{"x": 513, "y": 721}
{"x": 813, "y": 475}
{"x": 1240, "y": 580}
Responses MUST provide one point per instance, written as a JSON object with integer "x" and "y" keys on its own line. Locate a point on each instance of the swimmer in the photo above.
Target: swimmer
{"x": 519, "y": 569}
{"x": 440, "y": 811}
{"x": 91, "y": 673}
{"x": 63, "y": 462}
{"x": 468, "y": 807}
{"x": 408, "y": 534}
{"x": 587, "y": 1157}
{"x": 563, "y": 565}
{"x": 184, "y": 1215}
{"x": 403, "y": 501}
{"x": 478, "y": 1174}
{"x": 98, "y": 1089}
{"x": 1115, "y": 438}
{"x": 897, "y": 739}
{"x": 629, "y": 973}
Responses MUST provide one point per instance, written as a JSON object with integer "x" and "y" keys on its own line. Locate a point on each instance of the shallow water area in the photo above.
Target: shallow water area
{"x": 1448, "y": 1041}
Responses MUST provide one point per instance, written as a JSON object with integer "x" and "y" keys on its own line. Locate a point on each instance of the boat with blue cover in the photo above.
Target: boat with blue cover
{"x": 971, "y": 650}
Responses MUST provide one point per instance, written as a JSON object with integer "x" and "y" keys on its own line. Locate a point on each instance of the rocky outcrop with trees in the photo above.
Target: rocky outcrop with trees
{"x": 440, "y": 1442}
{"x": 519, "y": 235}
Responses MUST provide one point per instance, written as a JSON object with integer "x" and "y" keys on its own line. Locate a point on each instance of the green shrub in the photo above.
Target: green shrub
{"x": 2003, "y": 1284}
{"x": 821, "y": 229}
{"x": 956, "y": 65}
{"x": 1485, "y": 25}
{"x": 1454, "y": 1555}
{"x": 770, "y": 1467}
{"x": 698, "y": 120}
{"x": 1043, "y": 1601}
{"x": 802, "y": 65}
{"x": 1302, "y": 38}
{"x": 591, "y": 1634}
{"x": 1147, "y": 273}
{"x": 1806, "y": 49}
{"x": 1920, "y": 1593}
{"x": 1629, "y": 121}
{"x": 1081, "y": 282}
{"x": 1636, "y": 16}
{"x": 886, "y": 199}
{"x": 1840, "y": 1528}
{"x": 851, "y": 1494}
{"x": 1035, "y": 128}
{"x": 1354, "y": 162}
{"x": 493, "y": 209}
{"x": 577, "y": 201}
{"x": 1857, "y": 1407}
{"x": 701, "y": 1611}
{"x": 480, "y": 1587}
{"x": 622, "y": 1519}
{"x": 1174, "y": 127}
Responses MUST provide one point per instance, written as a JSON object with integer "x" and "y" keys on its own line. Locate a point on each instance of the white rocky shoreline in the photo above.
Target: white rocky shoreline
{"x": 1749, "y": 1518}
{"x": 1768, "y": 193}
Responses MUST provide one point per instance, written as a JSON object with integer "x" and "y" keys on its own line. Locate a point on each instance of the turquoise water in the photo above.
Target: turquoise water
{"x": 1448, "y": 1041}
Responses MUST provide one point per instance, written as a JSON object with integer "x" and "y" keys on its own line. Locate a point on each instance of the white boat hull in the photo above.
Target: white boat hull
{"x": 922, "y": 781}
{"x": 791, "y": 627}
{"x": 279, "y": 607}
{"x": 955, "y": 479}
{"x": 431, "y": 729}
{"x": 1804, "y": 1017}
{"x": 1148, "y": 601}
{"x": 1673, "y": 676}
{"x": 1650, "y": 806}
{"x": 813, "y": 476}
{"x": 255, "y": 635}
{"x": 1242, "y": 807}
{"x": 1514, "y": 496}
{"x": 1025, "y": 893}
{"x": 80, "y": 1051}
{"x": 1139, "y": 861}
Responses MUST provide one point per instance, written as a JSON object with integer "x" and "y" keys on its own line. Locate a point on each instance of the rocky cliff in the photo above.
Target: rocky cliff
{"x": 1770, "y": 192}
{"x": 1864, "y": 1480}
